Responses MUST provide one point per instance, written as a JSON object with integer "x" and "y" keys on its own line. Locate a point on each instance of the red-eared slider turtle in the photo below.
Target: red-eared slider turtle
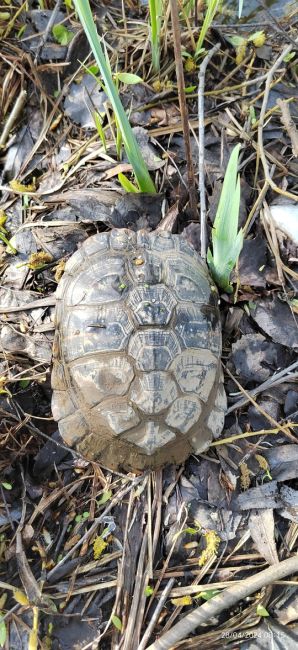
{"x": 137, "y": 378}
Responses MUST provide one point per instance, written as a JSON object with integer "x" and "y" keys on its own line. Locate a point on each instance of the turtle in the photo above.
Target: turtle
{"x": 137, "y": 379}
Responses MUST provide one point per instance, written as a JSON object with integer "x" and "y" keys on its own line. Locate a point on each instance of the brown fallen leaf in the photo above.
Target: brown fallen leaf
{"x": 261, "y": 526}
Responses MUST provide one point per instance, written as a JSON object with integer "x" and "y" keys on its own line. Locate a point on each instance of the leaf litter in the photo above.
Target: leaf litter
{"x": 97, "y": 553}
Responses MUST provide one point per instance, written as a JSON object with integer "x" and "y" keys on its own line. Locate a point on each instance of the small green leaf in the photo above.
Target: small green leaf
{"x": 236, "y": 40}
{"x": 8, "y": 244}
{"x": 2, "y": 632}
{"x": 117, "y": 622}
{"x": 191, "y": 531}
{"x": 148, "y": 591}
{"x": 80, "y": 518}
{"x": 208, "y": 594}
{"x": 24, "y": 383}
{"x": 92, "y": 69}
{"x": 7, "y": 486}
{"x": 100, "y": 131}
{"x": 289, "y": 57}
{"x": 128, "y": 78}
{"x": 106, "y": 496}
{"x": 262, "y": 611}
{"x": 127, "y": 184}
{"x": 62, "y": 35}
{"x": 252, "y": 115}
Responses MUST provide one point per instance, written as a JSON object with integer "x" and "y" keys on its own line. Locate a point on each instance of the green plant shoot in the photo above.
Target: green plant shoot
{"x": 226, "y": 242}
{"x": 212, "y": 7}
{"x": 155, "y": 9}
{"x": 132, "y": 149}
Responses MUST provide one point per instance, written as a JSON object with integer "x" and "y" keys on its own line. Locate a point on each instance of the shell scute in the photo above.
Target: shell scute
{"x": 98, "y": 378}
{"x": 119, "y": 416}
{"x": 184, "y": 413}
{"x": 150, "y": 437}
{"x": 152, "y": 305}
{"x": 104, "y": 329}
{"x": 153, "y": 392}
{"x": 153, "y": 349}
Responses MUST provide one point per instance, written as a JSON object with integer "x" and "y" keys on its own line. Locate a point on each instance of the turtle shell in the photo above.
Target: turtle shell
{"x": 136, "y": 375}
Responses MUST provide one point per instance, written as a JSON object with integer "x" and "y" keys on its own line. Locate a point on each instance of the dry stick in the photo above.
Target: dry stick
{"x": 157, "y": 512}
{"x": 17, "y": 109}
{"x": 201, "y": 89}
{"x": 97, "y": 521}
{"x": 272, "y": 381}
{"x": 48, "y": 28}
{"x": 282, "y": 427}
{"x": 227, "y": 599}
{"x": 156, "y": 614}
{"x": 183, "y": 108}
{"x": 41, "y": 302}
{"x": 289, "y": 125}
{"x": 137, "y": 594}
{"x": 270, "y": 74}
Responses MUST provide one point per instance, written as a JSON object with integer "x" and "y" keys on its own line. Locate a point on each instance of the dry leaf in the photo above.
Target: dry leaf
{"x": 182, "y": 601}
{"x": 261, "y": 526}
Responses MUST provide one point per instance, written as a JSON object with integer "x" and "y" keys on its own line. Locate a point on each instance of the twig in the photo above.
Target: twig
{"x": 156, "y": 614}
{"x": 272, "y": 381}
{"x": 137, "y": 594}
{"x": 289, "y": 125}
{"x": 270, "y": 74}
{"x": 183, "y": 108}
{"x": 120, "y": 494}
{"x": 282, "y": 427}
{"x": 36, "y": 304}
{"x": 201, "y": 89}
{"x": 49, "y": 26}
{"x": 225, "y": 600}
{"x": 17, "y": 109}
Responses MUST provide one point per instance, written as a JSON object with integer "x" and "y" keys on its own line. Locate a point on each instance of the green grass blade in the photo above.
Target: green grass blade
{"x": 226, "y": 242}
{"x": 212, "y": 6}
{"x": 133, "y": 152}
{"x": 155, "y": 8}
{"x": 127, "y": 185}
{"x": 100, "y": 131}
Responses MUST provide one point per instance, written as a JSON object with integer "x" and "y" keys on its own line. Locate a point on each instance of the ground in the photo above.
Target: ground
{"x": 91, "y": 558}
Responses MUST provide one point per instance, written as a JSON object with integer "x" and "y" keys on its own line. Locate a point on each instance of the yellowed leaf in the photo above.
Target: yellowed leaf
{"x": 99, "y": 545}
{"x": 212, "y": 543}
{"x": 33, "y": 640}
{"x": 39, "y": 260}
{"x": 20, "y": 597}
{"x": 182, "y": 601}
{"x": 240, "y": 53}
{"x": 262, "y": 462}
{"x": 3, "y": 599}
{"x": 59, "y": 270}
{"x": 20, "y": 187}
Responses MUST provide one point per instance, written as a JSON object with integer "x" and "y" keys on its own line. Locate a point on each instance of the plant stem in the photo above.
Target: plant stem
{"x": 183, "y": 109}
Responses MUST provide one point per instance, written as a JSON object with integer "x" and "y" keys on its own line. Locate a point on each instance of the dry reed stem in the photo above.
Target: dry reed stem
{"x": 183, "y": 109}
